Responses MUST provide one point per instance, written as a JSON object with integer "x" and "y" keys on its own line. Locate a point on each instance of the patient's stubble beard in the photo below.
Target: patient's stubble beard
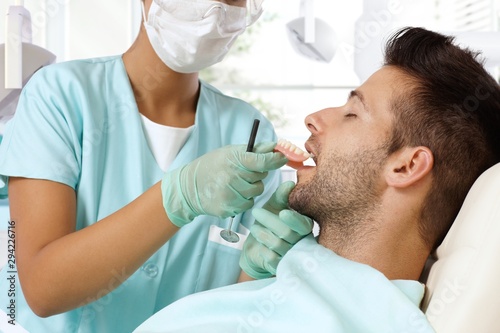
{"x": 344, "y": 195}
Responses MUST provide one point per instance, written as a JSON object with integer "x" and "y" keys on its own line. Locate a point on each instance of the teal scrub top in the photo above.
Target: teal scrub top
{"x": 77, "y": 123}
{"x": 315, "y": 290}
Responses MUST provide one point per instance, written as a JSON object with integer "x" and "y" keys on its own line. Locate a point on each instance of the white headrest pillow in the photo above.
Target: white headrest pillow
{"x": 463, "y": 286}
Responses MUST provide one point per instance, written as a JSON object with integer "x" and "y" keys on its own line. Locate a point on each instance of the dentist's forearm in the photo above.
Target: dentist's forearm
{"x": 82, "y": 266}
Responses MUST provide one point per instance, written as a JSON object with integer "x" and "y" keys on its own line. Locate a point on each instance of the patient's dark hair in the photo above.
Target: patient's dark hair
{"x": 451, "y": 106}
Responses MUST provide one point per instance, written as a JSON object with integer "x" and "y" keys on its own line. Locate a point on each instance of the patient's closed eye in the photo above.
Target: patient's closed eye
{"x": 350, "y": 115}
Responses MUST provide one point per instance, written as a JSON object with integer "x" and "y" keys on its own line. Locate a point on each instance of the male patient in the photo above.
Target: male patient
{"x": 393, "y": 166}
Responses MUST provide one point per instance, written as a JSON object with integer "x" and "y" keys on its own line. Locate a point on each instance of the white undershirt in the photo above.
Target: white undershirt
{"x": 164, "y": 141}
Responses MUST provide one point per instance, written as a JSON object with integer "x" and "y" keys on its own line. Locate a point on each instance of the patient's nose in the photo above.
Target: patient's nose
{"x": 315, "y": 122}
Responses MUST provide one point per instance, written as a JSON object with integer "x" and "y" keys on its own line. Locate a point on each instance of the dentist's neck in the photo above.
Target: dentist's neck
{"x": 162, "y": 95}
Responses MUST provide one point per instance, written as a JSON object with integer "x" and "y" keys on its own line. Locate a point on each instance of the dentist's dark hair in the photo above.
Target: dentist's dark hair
{"x": 451, "y": 106}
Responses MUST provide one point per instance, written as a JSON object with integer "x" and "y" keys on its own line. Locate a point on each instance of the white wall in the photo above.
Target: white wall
{"x": 80, "y": 28}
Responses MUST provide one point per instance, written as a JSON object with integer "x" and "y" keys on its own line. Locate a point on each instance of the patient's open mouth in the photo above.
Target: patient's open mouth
{"x": 294, "y": 154}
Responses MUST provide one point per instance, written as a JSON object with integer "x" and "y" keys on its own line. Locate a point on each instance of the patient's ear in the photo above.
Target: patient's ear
{"x": 408, "y": 166}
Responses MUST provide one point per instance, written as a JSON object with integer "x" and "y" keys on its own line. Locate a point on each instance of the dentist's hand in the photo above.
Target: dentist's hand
{"x": 274, "y": 232}
{"x": 220, "y": 183}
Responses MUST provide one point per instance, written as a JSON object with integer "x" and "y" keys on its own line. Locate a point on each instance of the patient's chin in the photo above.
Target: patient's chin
{"x": 300, "y": 199}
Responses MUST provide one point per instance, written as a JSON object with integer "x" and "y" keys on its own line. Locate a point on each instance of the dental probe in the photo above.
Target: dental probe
{"x": 227, "y": 234}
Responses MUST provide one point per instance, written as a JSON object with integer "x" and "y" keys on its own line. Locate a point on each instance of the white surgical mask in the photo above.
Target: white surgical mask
{"x": 190, "y": 35}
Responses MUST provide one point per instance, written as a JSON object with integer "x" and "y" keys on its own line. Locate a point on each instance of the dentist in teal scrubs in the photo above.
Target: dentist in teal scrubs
{"x": 122, "y": 171}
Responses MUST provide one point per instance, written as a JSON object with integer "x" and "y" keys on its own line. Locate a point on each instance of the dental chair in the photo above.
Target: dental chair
{"x": 463, "y": 277}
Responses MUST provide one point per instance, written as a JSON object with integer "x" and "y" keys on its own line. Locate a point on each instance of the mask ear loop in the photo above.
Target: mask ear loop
{"x": 254, "y": 11}
{"x": 143, "y": 11}
{"x": 253, "y": 18}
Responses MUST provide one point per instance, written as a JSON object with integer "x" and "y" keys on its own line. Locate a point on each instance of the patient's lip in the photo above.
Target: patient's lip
{"x": 312, "y": 154}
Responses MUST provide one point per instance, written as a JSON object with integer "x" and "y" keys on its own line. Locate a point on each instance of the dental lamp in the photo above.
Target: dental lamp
{"x": 19, "y": 58}
{"x": 312, "y": 37}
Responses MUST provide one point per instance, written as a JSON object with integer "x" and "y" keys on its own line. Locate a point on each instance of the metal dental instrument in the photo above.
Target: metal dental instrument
{"x": 227, "y": 234}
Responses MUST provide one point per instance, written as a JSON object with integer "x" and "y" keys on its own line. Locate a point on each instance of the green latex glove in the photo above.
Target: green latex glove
{"x": 220, "y": 183}
{"x": 273, "y": 234}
